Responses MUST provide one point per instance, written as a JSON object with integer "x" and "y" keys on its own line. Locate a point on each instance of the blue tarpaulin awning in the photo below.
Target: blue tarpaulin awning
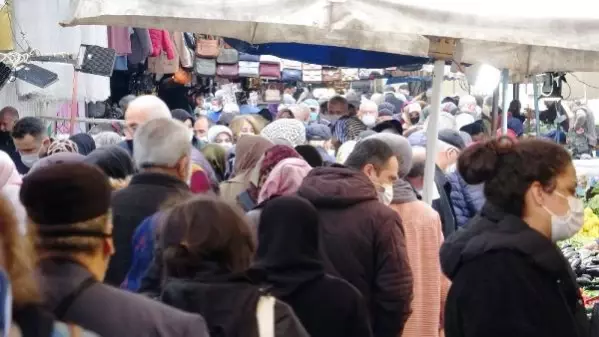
{"x": 327, "y": 55}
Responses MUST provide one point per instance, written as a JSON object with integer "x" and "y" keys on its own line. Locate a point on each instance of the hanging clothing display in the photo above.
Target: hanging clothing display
{"x": 119, "y": 39}
{"x": 6, "y": 38}
{"x": 39, "y": 19}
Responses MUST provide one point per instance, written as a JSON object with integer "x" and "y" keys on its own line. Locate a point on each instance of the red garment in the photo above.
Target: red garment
{"x": 161, "y": 41}
{"x": 200, "y": 183}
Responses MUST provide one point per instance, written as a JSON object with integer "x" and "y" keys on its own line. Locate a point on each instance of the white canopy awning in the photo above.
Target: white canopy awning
{"x": 524, "y": 36}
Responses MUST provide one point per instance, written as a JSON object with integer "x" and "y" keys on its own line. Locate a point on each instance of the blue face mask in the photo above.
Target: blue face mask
{"x": 313, "y": 115}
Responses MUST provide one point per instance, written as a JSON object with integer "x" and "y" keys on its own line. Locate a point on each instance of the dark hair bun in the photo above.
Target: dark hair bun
{"x": 479, "y": 163}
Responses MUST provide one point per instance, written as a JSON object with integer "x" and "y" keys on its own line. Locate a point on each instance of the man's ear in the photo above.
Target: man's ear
{"x": 183, "y": 167}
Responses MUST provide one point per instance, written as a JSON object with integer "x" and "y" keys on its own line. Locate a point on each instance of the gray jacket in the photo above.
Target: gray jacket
{"x": 109, "y": 311}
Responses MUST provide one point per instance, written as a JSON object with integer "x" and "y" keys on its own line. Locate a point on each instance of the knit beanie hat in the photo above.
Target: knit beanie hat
{"x": 386, "y": 109}
{"x": 291, "y": 130}
{"x": 72, "y": 193}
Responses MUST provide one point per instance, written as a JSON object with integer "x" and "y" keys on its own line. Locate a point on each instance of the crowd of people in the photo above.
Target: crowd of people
{"x": 303, "y": 219}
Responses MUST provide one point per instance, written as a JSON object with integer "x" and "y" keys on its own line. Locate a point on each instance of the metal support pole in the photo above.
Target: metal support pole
{"x": 516, "y": 91}
{"x": 494, "y": 113}
{"x": 535, "y": 87}
{"x": 432, "y": 132}
{"x": 505, "y": 76}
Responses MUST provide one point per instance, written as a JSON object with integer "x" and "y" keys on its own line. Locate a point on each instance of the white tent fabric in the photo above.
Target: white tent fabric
{"x": 524, "y": 36}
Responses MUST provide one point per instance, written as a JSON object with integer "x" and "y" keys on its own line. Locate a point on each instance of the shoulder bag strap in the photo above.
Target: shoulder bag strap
{"x": 67, "y": 301}
{"x": 265, "y": 314}
{"x": 74, "y": 330}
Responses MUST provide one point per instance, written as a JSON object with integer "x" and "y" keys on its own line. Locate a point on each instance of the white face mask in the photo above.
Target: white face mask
{"x": 331, "y": 152}
{"x": 226, "y": 145}
{"x": 369, "y": 120}
{"x": 30, "y": 159}
{"x": 386, "y": 196}
{"x": 565, "y": 226}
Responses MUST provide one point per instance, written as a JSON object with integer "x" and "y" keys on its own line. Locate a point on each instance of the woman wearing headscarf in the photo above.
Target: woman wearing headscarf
{"x": 207, "y": 250}
{"x": 284, "y": 179}
{"x": 221, "y": 135}
{"x": 216, "y": 156}
{"x": 10, "y": 183}
{"x": 114, "y": 161}
{"x": 249, "y": 199}
{"x": 85, "y": 143}
{"x": 248, "y": 152}
{"x": 62, "y": 145}
{"x": 288, "y": 262}
{"x": 424, "y": 237}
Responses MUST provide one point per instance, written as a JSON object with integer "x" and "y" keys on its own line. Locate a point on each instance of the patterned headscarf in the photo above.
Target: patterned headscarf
{"x": 272, "y": 157}
{"x": 291, "y": 130}
{"x": 62, "y": 145}
{"x": 348, "y": 128}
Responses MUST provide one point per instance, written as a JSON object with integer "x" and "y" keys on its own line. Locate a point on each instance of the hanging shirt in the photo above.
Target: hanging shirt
{"x": 119, "y": 39}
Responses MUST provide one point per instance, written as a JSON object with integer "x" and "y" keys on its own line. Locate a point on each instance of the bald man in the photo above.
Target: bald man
{"x": 146, "y": 108}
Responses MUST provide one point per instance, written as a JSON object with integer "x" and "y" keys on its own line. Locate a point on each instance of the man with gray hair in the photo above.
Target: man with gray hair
{"x": 162, "y": 154}
{"x": 146, "y": 108}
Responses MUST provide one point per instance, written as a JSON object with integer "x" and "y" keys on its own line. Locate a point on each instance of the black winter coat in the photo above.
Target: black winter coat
{"x": 130, "y": 206}
{"x": 228, "y": 304}
{"x": 509, "y": 280}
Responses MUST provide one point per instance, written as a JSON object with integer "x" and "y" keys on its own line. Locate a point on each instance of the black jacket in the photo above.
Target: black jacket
{"x": 7, "y": 145}
{"x": 130, "y": 206}
{"x": 228, "y": 303}
{"x": 509, "y": 280}
{"x": 291, "y": 267}
{"x": 363, "y": 242}
{"x": 443, "y": 205}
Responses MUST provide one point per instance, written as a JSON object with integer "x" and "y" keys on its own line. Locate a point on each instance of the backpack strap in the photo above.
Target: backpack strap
{"x": 67, "y": 301}
{"x": 265, "y": 314}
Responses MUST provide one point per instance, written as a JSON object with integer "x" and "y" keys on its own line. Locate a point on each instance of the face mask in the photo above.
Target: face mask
{"x": 331, "y": 118}
{"x": 226, "y": 145}
{"x": 565, "y": 226}
{"x": 386, "y": 196}
{"x": 204, "y": 139}
{"x": 30, "y": 159}
{"x": 369, "y": 120}
{"x": 215, "y": 107}
{"x": 331, "y": 153}
{"x": 452, "y": 168}
{"x": 414, "y": 120}
{"x": 313, "y": 116}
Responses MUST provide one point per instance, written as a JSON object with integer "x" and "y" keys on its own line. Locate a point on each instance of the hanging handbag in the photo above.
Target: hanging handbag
{"x": 331, "y": 75}
{"x": 207, "y": 47}
{"x": 291, "y": 75}
{"x": 289, "y": 64}
{"x": 182, "y": 76}
{"x": 272, "y": 95}
{"x": 228, "y": 56}
{"x": 270, "y": 59}
{"x": 249, "y": 57}
{"x": 227, "y": 70}
{"x": 308, "y": 66}
{"x": 205, "y": 67}
{"x": 369, "y": 73}
{"x": 270, "y": 71}
{"x": 312, "y": 75}
{"x": 349, "y": 74}
{"x": 249, "y": 69}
